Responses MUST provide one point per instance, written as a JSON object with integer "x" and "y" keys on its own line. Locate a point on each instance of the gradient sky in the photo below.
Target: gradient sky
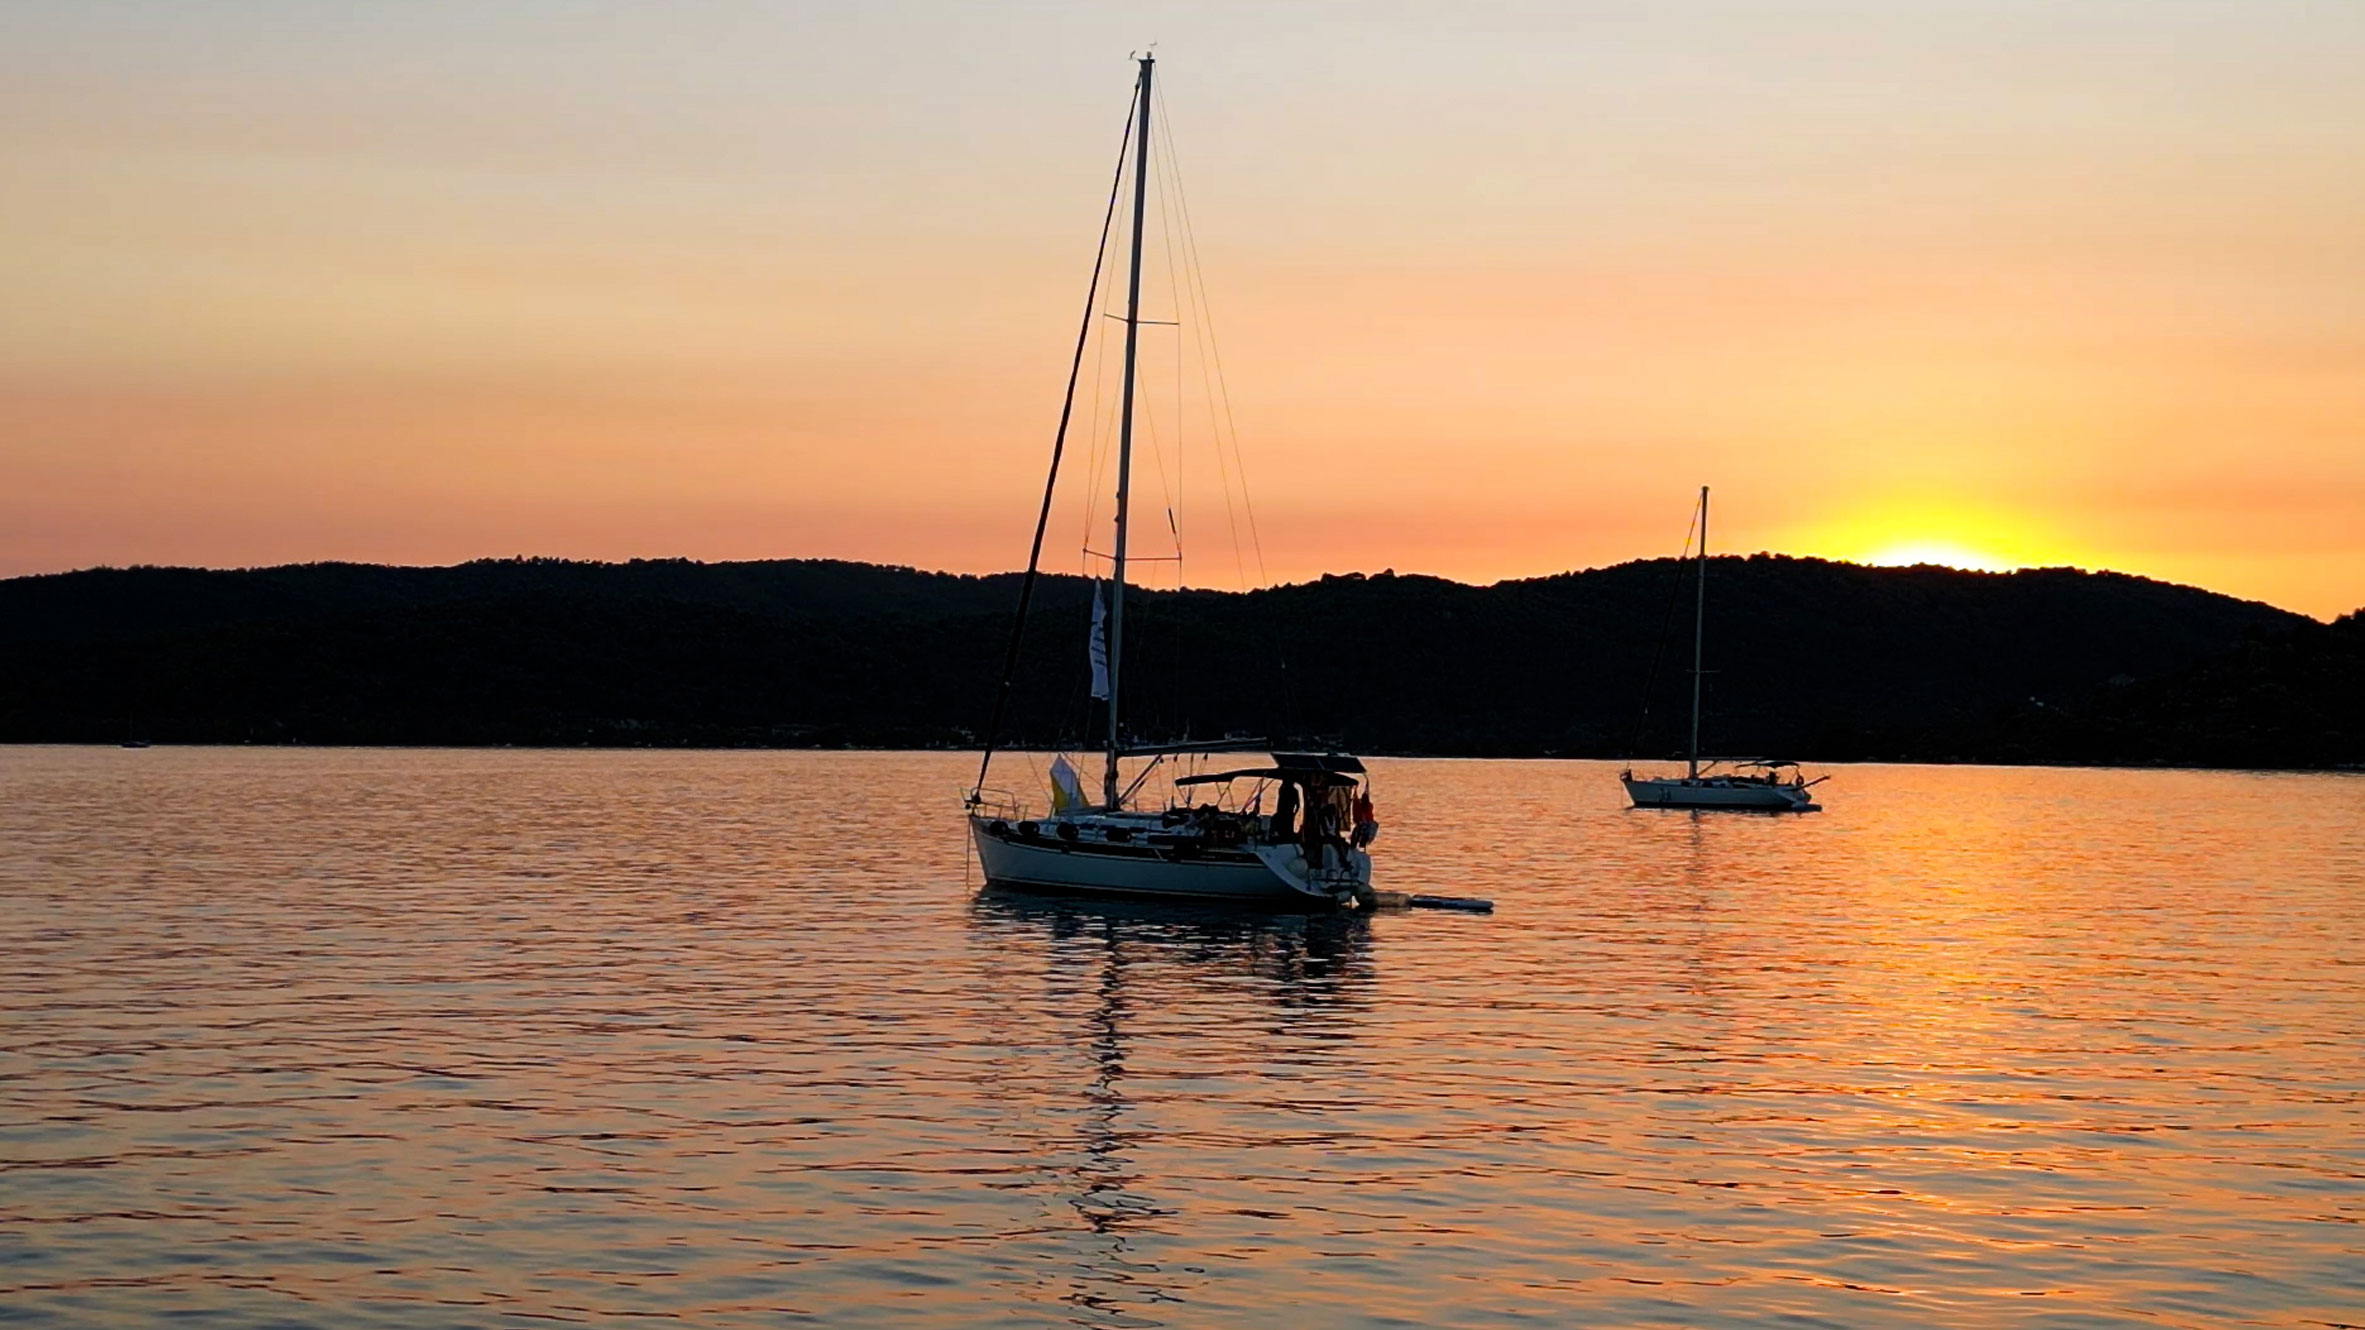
{"x": 1498, "y": 285}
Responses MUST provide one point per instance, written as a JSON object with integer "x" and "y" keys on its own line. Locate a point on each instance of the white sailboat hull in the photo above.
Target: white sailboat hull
{"x": 1716, "y": 792}
{"x": 1267, "y": 874}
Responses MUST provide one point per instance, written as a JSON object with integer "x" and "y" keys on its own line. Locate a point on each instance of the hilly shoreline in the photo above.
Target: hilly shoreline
{"x": 1806, "y": 658}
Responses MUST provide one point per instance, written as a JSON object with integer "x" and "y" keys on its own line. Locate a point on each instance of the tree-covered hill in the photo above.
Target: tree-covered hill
{"x": 2290, "y": 699}
{"x": 1805, "y": 658}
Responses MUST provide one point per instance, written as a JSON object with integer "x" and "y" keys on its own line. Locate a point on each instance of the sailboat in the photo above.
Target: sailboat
{"x": 1765, "y": 785}
{"x": 1308, "y": 851}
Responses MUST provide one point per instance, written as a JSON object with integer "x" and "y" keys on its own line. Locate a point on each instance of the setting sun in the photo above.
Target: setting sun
{"x": 1942, "y": 552}
{"x": 1900, "y": 530}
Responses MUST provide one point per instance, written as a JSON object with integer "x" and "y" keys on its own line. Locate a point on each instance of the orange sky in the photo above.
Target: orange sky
{"x": 1999, "y": 282}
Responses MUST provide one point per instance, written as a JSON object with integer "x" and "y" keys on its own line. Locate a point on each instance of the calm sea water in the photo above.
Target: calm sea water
{"x": 476, "y": 1038}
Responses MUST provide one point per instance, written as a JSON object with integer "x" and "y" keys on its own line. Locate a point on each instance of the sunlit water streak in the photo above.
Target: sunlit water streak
{"x": 468, "y": 1038}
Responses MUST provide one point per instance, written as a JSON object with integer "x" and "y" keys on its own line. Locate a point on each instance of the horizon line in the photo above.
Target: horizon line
{"x": 1388, "y": 572}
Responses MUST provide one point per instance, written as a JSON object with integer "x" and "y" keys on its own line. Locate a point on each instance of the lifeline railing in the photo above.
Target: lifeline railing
{"x": 994, "y": 803}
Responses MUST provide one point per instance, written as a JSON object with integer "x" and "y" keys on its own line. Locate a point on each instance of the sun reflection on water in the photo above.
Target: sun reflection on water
{"x": 723, "y": 1038}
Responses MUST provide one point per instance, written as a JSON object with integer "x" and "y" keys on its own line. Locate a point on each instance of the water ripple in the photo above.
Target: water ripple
{"x": 417, "y": 1039}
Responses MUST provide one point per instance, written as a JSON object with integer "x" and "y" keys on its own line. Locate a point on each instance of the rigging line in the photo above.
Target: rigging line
{"x": 1220, "y": 390}
{"x": 1109, "y": 407}
{"x": 1096, "y": 455}
{"x": 1059, "y": 442}
{"x": 1106, "y": 406}
{"x": 1149, "y": 411}
{"x": 1190, "y": 238}
{"x": 1200, "y": 323}
{"x": 1182, "y": 620}
{"x": 1149, "y": 419}
{"x": 1182, "y": 450}
{"x": 1174, "y": 292}
{"x": 1292, "y": 707}
{"x": 1185, "y": 308}
{"x": 1666, "y": 625}
{"x": 1098, "y": 471}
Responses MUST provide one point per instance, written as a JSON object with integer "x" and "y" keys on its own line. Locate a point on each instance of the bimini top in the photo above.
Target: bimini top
{"x": 1335, "y": 762}
{"x": 1303, "y": 768}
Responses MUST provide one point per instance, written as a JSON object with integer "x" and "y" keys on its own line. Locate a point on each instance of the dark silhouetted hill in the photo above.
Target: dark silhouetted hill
{"x": 2291, "y": 699}
{"x": 1805, "y": 658}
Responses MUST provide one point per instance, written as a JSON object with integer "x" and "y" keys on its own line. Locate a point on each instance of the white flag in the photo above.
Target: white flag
{"x": 1100, "y": 644}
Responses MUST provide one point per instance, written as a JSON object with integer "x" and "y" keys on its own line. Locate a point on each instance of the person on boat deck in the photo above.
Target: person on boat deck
{"x": 1322, "y": 830}
{"x": 1285, "y": 812}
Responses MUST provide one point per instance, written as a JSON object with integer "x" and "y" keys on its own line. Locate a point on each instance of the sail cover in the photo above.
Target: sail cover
{"x": 1099, "y": 646}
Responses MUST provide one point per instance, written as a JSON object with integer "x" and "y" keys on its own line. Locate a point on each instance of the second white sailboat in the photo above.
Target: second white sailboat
{"x": 1761, "y": 785}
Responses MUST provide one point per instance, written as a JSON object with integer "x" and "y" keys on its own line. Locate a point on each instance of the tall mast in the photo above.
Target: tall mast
{"x": 1699, "y": 629}
{"x": 1141, "y": 182}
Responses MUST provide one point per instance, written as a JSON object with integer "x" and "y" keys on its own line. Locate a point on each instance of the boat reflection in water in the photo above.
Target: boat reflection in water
{"x": 1306, "y": 960}
{"x": 1273, "y": 1002}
